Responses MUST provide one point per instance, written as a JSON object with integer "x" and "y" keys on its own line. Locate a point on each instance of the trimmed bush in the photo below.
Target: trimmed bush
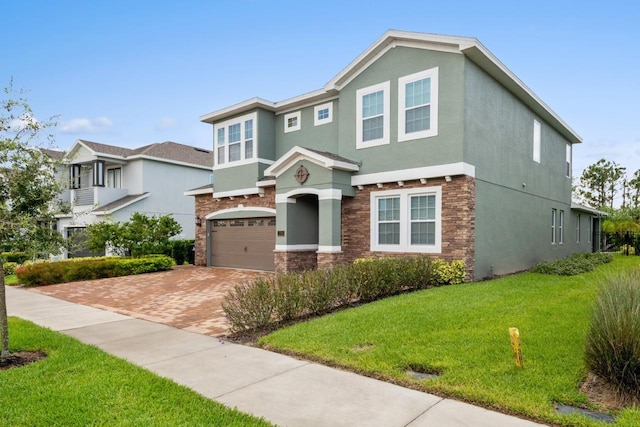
{"x": 72, "y": 270}
{"x": 613, "y": 340}
{"x": 575, "y": 264}
{"x": 269, "y": 300}
{"x": 9, "y": 268}
{"x": 17, "y": 257}
{"x": 180, "y": 250}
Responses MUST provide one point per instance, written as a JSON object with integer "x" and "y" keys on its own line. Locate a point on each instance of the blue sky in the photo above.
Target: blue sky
{"x": 131, "y": 73}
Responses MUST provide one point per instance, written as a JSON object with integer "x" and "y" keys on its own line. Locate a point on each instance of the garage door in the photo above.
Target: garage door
{"x": 243, "y": 243}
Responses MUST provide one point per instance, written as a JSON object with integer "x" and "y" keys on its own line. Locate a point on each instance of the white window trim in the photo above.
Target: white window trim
{"x": 317, "y": 108}
{"x": 386, "y": 117}
{"x": 568, "y": 161}
{"x": 402, "y": 111}
{"x": 554, "y": 218}
{"x": 237, "y": 120}
{"x": 537, "y": 140}
{"x": 561, "y": 228}
{"x": 298, "y": 116}
{"x": 405, "y": 220}
{"x": 578, "y": 226}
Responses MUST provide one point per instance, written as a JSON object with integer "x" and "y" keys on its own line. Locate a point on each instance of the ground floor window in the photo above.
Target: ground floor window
{"x": 406, "y": 220}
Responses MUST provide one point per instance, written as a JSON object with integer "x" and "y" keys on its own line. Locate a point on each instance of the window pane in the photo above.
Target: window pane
{"x": 389, "y": 234}
{"x": 248, "y": 149}
{"x": 220, "y": 155}
{"x": 234, "y": 133}
{"x": 423, "y": 233}
{"x": 234, "y": 151}
{"x": 372, "y": 128}
{"x": 418, "y": 119}
{"x": 248, "y": 129}
{"x": 418, "y": 93}
{"x": 389, "y": 209}
{"x": 373, "y": 104}
{"x": 221, "y": 136}
{"x": 323, "y": 114}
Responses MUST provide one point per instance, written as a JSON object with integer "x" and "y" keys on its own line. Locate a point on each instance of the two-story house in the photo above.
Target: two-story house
{"x": 110, "y": 183}
{"x": 424, "y": 144}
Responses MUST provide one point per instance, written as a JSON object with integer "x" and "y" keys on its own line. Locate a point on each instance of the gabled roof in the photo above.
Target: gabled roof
{"x": 204, "y": 189}
{"x": 322, "y": 158}
{"x": 116, "y": 205}
{"x": 52, "y": 154}
{"x": 470, "y": 47}
{"x": 167, "y": 151}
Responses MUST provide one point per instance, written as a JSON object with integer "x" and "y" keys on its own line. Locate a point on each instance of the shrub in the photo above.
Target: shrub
{"x": 575, "y": 264}
{"x": 17, "y": 257}
{"x": 179, "y": 250}
{"x": 49, "y": 273}
{"x": 613, "y": 339}
{"x": 9, "y": 268}
{"x": 285, "y": 297}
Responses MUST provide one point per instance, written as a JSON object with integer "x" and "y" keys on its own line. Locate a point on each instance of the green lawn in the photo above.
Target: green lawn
{"x": 79, "y": 385}
{"x": 11, "y": 280}
{"x": 462, "y": 331}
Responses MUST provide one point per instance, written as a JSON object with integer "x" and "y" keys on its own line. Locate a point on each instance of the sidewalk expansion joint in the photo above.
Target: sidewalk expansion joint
{"x": 262, "y": 380}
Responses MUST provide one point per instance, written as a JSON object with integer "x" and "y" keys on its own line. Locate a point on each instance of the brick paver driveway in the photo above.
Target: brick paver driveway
{"x": 187, "y": 297}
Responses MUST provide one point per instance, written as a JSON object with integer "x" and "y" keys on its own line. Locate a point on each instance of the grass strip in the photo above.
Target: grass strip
{"x": 462, "y": 332}
{"x": 80, "y": 385}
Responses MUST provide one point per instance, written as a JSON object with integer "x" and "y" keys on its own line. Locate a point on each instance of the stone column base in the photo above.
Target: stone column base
{"x": 295, "y": 261}
{"x": 329, "y": 259}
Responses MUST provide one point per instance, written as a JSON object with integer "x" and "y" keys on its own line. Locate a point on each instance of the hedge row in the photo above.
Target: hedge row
{"x": 17, "y": 257}
{"x": 9, "y": 268}
{"x": 269, "y": 300}
{"x": 575, "y": 264}
{"x": 76, "y": 269}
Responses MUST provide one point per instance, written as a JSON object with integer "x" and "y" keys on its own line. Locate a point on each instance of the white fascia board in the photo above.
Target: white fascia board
{"x": 451, "y": 169}
{"x": 173, "y": 162}
{"x": 269, "y": 183}
{"x": 236, "y": 193}
{"x": 129, "y": 203}
{"x": 301, "y": 153}
{"x": 296, "y": 248}
{"x": 241, "y": 107}
{"x": 306, "y": 100}
{"x": 256, "y": 209}
{"x": 242, "y": 163}
{"x": 578, "y": 207}
{"x": 199, "y": 191}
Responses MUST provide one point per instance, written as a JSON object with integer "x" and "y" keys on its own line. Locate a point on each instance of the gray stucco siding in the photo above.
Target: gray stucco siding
{"x": 322, "y": 137}
{"x": 237, "y": 177}
{"x": 498, "y": 134}
{"x": 445, "y": 147}
{"x": 266, "y": 135}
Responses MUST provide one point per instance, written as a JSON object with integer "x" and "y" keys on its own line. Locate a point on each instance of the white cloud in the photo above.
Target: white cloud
{"x": 97, "y": 125}
{"x": 167, "y": 123}
{"x": 17, "y": 125}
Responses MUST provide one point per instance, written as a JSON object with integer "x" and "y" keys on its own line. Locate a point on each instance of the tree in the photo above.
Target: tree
{"x": 28, "y": 186}
{"x": 600, "y": 183}
{"x": 141, "y": 235}
{"x": 633, "y": 186}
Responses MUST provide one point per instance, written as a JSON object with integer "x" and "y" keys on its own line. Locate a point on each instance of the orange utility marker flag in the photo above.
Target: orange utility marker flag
{"x": 515, "y": 345}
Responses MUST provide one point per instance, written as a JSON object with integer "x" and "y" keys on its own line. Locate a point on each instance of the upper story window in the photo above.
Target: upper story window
{"x": 418, "y": 105}
{"x": 372, "y": 115}
{"x": 292, "y": 122}
{"x": 568, "y": 160}
{"x": 406, "y": 220}
{"x": 114, "y": 178}
{"x": 323, "y": 114}
{"x": 537, "y": 131}
{"x": 234, "y": 140}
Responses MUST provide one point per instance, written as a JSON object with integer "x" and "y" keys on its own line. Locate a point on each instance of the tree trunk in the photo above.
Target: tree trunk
{"x": 4, "y": 321}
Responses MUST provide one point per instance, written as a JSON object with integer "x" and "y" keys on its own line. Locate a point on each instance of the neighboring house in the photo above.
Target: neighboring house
{"x": 109, "y": 183}
{"x": 424, "y": 144}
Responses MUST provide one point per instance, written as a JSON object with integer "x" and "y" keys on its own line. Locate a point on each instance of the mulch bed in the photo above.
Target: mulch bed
{"x": 21, "y": 358}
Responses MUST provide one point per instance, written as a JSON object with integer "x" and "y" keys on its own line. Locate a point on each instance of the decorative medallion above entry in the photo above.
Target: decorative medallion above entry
{"x": 301, "y": 174}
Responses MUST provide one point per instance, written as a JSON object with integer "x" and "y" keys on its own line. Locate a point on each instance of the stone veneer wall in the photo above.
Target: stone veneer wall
{"x": 206, "y": 204}
{"x": 458, "y": 221}
{"x": 295, "y": 260}
{"x": 458, "y": 225}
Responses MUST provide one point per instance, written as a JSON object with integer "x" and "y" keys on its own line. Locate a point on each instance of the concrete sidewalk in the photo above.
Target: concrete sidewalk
{"x": 283, "y": 390}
